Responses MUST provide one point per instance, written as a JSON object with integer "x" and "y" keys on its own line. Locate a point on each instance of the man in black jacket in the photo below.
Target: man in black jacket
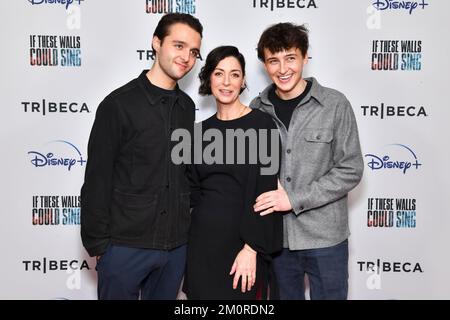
{"x": 135, "y": 201}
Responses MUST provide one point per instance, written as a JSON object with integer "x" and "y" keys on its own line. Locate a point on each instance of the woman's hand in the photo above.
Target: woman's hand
{"x": 244, "y": 267}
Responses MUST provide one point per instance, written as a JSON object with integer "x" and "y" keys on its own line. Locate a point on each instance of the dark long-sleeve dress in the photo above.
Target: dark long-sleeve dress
{"x": 223, "y": 219}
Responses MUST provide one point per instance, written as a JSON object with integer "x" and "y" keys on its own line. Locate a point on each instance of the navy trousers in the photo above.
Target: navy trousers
{"x": 327, "y": 270}
{"x": 131, "y": 273}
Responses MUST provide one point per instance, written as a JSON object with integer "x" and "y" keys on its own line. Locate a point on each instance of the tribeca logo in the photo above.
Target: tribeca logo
{"x": 146, "y": 55}
{"x": 170, "y": 6}
{"x": 379, "y": 266}
{"x": 410, "y": 6}
{"x": 50, "y": 159}
{"x": 385, "y": 162}
{"x": 284, "y": 4}
{"x": 67, "y": 3}
{"x": 149, "y": 55}
{"x": 47, "y": 265}
{"x": 384, "y": 110}
{"x": 43, "y": 107}
{"x": 390, "y": 212}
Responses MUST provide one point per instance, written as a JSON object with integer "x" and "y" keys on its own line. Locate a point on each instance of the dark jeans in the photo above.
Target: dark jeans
{"x": 132, "y": 273}
{"x": 327, "y": 270}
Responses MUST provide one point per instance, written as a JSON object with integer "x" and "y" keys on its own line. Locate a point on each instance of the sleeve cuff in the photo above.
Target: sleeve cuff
{"x": 298, "y": 206}
{"x": 97, "y": 250}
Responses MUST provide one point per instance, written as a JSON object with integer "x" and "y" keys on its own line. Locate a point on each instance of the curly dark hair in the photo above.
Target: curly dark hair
{"x": 283, "y": 36}
{"x": 212, "y": 60}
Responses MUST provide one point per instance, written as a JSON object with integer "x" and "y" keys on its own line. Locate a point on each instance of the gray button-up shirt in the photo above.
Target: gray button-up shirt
{"x": 321, "y": 162}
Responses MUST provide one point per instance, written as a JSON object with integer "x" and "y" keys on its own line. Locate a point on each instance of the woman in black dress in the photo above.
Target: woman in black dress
{"x": 229, "y": 244}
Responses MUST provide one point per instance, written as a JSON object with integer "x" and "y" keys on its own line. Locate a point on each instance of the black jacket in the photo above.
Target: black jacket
{"x": 133, "y": 195}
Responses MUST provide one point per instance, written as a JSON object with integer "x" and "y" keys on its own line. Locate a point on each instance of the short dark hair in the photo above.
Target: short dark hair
{"x": 162, "y": 29}
{"x": 283, "y": 36}
{"x": 212, "y": 60}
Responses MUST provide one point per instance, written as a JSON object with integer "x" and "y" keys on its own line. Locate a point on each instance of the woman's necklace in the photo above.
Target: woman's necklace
{"x": 241, "y": 113}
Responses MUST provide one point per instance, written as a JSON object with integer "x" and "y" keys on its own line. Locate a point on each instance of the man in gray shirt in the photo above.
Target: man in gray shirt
{"x": 321, "y": 162}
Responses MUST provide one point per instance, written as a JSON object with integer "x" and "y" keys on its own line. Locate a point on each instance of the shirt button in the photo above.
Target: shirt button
{"x": 301, "y": 208}
{"x": 318, "y": 137}
{"x": 288, "y": 151}
{"x": 167, "y": 186}
{"x": 288, "y": 179}
{"x": 163, "y": 100}
{"x": 163, "y": 212}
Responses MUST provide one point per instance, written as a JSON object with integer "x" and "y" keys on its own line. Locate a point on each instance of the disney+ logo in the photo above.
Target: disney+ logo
{"x": 50, "y": 159}
{"x": 65, "y": 2}
{"x": 387, "y": 162}
{"x": 402, "y": 5}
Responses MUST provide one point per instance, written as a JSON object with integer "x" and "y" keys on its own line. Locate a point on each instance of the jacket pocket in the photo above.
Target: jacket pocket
{"x": 317, "y": 144}
{"x": 132, "y": 215}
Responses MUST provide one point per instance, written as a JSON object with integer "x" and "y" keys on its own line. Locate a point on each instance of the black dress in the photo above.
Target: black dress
{"x": 223, "y": 219}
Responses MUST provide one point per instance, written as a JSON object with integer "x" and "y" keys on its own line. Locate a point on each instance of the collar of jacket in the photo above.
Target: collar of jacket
{"x": 317, "y": 92}
{"x": 153, "y": 95}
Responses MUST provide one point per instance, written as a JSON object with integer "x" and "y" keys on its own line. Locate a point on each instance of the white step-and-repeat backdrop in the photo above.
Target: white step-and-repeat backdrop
{"x": 390, "y": 58}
